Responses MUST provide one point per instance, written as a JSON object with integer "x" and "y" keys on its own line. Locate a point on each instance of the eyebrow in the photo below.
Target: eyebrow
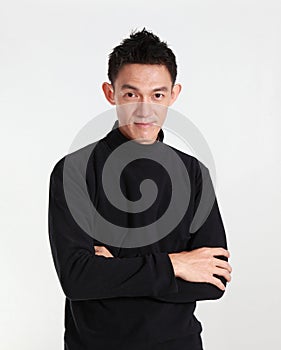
{"x": 128, "y": 86}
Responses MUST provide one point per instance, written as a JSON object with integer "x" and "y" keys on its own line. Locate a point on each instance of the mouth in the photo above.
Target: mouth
{"x": 144, "y": 125}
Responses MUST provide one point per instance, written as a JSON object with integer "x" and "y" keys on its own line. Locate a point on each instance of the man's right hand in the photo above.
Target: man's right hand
{"x": 199, "y": 265}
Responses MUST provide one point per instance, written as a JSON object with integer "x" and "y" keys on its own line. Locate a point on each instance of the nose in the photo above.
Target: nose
{"x": 144, "y": 110}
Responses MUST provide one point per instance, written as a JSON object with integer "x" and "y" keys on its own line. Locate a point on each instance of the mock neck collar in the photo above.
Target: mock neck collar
{"x": 115, "y": 138}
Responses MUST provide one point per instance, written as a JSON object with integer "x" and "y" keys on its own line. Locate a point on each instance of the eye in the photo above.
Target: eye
{"x": 130, "y": 94}
{"x": 158, "y": 95}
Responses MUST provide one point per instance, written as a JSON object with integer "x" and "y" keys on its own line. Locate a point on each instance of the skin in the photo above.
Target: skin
{"x": 143, "y": 93}
{"x": 197, "y": 265}
{"x": 200, "y": 264}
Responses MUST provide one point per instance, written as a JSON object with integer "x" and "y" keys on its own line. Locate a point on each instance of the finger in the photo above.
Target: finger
{"x": 222, "y": 272}
{"x": 102, "y": 251}
{"x": 100, "y": 254}
{"x": 223, "y": 264}
{"x": 105, "y": 252}
{"x": 217, "y": 282}
{"x": 220, "y": 251}
{"x": 108, "y": 254}
{"x": 100, "y": 248}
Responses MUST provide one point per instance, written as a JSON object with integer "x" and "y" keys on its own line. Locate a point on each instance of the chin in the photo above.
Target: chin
{"x": 148, "y": 132}
{"x": 145, "y": 135}
{"x": 134, "y": 132}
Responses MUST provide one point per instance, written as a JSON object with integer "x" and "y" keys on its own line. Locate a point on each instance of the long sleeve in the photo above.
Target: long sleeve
{"x": 210, "y": 234}
{"x": 83, "y": 275}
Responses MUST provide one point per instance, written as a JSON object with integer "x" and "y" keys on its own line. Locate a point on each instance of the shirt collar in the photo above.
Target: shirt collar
{"x": 115, "y": 138}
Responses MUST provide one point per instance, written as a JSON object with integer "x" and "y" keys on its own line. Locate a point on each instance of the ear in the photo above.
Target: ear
{"x": 108, "y": 91}
{"x": 175, "y": 93}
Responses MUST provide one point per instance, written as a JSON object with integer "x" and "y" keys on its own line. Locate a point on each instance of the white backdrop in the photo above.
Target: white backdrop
{"x": 53, "y": 57}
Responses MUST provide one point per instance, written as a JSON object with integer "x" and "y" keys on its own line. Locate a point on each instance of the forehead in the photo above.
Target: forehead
{"x": 144, "y": 75}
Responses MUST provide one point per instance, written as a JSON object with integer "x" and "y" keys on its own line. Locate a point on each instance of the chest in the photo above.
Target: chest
{"x": 142, "y": 195}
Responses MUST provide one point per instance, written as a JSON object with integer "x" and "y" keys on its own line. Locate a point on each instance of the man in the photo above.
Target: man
{"x": 140, "y": 296}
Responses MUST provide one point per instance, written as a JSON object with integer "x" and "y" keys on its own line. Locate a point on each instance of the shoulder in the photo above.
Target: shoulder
{"x": 190, "y": 161}
{"x": 197, "y": 170}
{"x": 77, "y": 159}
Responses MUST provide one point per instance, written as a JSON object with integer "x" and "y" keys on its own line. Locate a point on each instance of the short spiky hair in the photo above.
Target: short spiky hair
{"x": 141, "y": 47}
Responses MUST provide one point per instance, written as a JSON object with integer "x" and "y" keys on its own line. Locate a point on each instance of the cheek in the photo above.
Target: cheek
{"x": 125, "y": 113}
{"x": 168, "y": 101}
{"x": 161, "y": 112}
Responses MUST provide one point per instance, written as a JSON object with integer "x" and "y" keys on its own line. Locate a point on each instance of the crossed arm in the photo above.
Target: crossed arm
{"x": 86, "y": 273}
{"x": 202, "y": 272}
{"x": 198, "y": 265}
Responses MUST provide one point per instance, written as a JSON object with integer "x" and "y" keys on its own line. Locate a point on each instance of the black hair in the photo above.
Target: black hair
{"x": 142, "y": 47}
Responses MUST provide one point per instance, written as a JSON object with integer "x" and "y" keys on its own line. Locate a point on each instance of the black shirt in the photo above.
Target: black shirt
{"x": 131, "y": 301}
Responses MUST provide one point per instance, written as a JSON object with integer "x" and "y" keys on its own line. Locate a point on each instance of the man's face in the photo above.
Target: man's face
{"x": 142, "y": 94}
